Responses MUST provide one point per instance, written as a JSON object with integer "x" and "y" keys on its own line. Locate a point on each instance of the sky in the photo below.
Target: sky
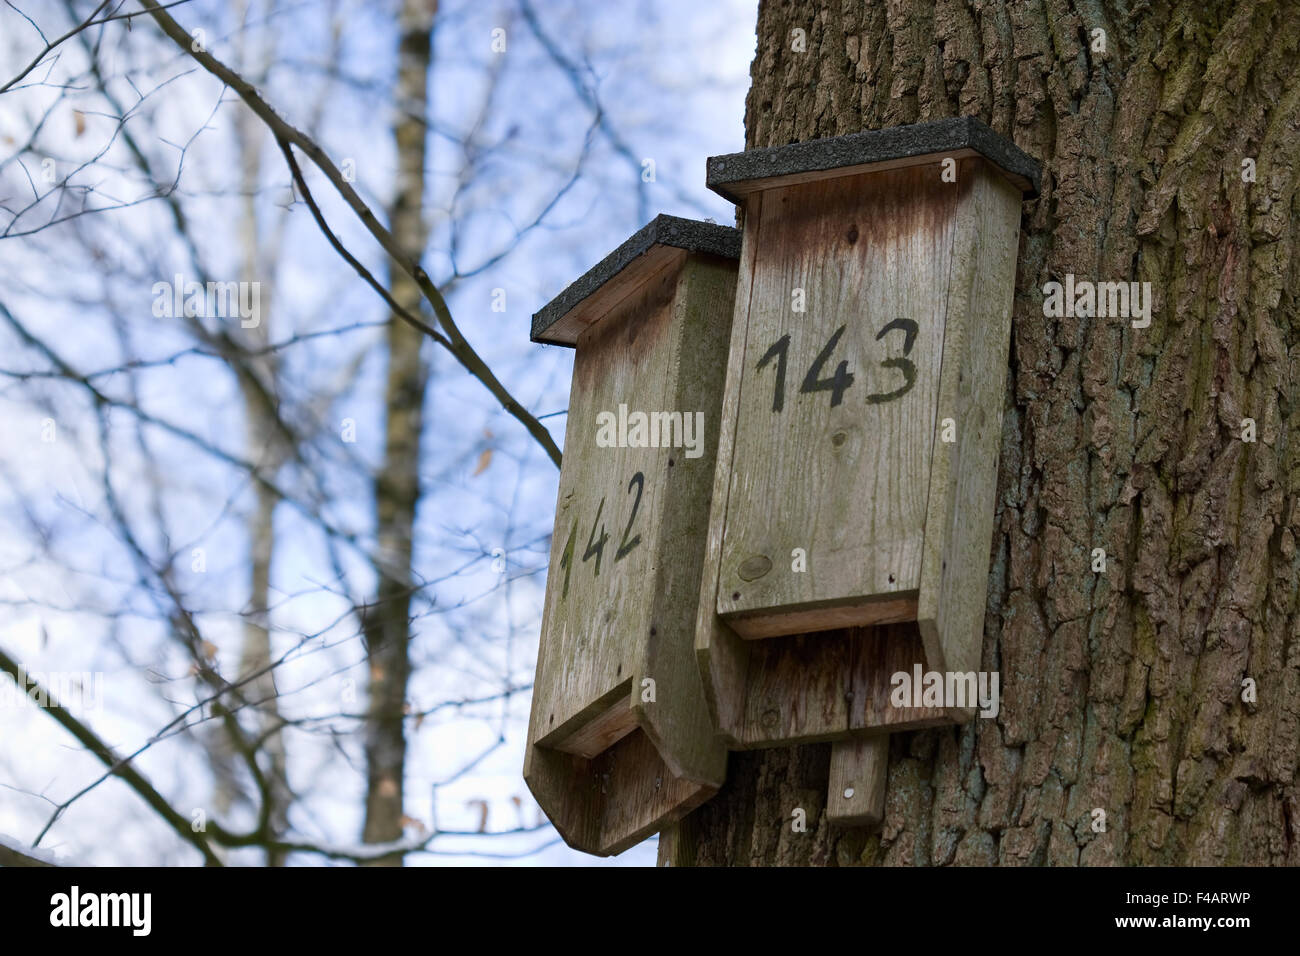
{"x": 669, "y": 79}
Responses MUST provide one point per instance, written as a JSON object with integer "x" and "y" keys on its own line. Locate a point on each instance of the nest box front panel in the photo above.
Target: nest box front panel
{"x": 606, "y": 524}
{"x": 836, "y": 410}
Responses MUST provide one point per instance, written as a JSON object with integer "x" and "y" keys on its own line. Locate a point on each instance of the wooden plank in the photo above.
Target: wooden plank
{"x": 855, "y": 796}
{"x": 639, "y": 794}
{"x": 882, "y": 610}
{"x": 963, "y": 475}
{"x": 597, "y": 610}
{"x": 613, "y": 801}
{"x": 798, "y": 690}
{"x": 845, "y": 481}
{"x": 677, "y": 720}
{"x": 830, "y": 686}
{"x": 878, "y": 654}
{"x": 592, "y": 732}
{"x": 722, "y": 656}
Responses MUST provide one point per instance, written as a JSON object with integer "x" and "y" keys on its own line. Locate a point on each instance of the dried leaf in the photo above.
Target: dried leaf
{"x": 79, "y": 121}
{"x": 484, "y": 460}
{"x": 483, "y": 813}
{"x": 412, "y": 822}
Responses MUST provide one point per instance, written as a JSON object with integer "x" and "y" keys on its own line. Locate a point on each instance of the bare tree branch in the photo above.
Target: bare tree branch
{"x": 107, "y": 756}
{"x": 285, "y": 132}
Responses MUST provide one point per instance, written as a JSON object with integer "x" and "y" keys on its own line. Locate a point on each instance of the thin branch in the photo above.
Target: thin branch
{"x": 287, "y": 133}
{"x": 107, "y": 756}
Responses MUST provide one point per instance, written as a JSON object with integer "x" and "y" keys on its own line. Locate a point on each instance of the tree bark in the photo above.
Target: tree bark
{"x": 397, "y": 487}
{"x": 1121, "y": 691}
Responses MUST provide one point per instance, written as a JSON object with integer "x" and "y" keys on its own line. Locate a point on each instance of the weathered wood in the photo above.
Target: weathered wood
{"x": 829, "y": 686}
{"x": 596, "y": 728}
{"x": 879, "y": 654}
{"x": 964, "y": 473}
{"x": 722, "y": 656}
{"x": 617, "y": 684}
{"x": 879, "y": 610}
{"x": 614, "y": 800}
{"x": 844, "y": 481}
{"x": 855, "y": 796}
{"x": 856, "y": 454}
{"x": 600, "y": 291}
{"x": 614, "y": 296}
{"x": 638, "y": 795}
{"x": 797, "y": 690}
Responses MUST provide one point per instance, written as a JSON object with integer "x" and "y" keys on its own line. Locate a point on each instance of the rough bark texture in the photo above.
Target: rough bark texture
{"x": 397, "y": 487}
{"x": 1122, "y": 690}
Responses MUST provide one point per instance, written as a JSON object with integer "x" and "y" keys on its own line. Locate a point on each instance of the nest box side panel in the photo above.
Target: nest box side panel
{"x": 567, "y": 788}
{"x": 836, "y": 404}
{"x": 597, "y": 604}
{"x": 608, "y": 803}
{"x": 637, "y": 795}
{"x": 677, "y": 719}
{"x": 721, "y": 656}
{"x": 963, "y": 478}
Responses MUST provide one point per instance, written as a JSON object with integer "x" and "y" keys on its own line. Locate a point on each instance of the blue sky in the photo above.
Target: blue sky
{"x": 669, "y": 79}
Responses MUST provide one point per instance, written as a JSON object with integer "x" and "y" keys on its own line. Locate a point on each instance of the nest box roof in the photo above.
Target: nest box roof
{"x": 736, "y": 175}
{"x": 616, "y": 276}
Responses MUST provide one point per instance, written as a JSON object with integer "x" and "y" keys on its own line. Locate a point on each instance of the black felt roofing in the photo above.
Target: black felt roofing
{"x": 872, "y": 146}
{"x": 689, "y": 234}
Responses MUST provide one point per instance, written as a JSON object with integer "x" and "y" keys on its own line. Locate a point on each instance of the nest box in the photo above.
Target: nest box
{"x": 620, "y": 740}
{"x": 853, "y": 504}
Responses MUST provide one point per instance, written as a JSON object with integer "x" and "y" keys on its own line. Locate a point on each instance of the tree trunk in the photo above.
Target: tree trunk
{"x": 1121, "y": 691}
{"x": 397, "y": 487}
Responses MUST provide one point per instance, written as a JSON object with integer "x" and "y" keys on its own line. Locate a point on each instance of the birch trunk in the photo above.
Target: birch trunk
{"x": 397, "y": 487}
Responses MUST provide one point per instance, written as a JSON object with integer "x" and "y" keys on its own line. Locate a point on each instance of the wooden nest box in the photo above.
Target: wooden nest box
{"x": 854, "y": 496}
{"x": 620, "y": 741}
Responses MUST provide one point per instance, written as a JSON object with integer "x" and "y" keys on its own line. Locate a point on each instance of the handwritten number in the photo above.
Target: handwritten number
{"x": 907, "y": 327}
{"x": 596, "y": 545}
{"x": 838, "y": 383}
{"x": 778, "y": 351}
{"x": 909, "y": 330}
{"x": 599, "y": 548}
{"x": 566, "y": 561}
{"x": 625, "y": 546}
